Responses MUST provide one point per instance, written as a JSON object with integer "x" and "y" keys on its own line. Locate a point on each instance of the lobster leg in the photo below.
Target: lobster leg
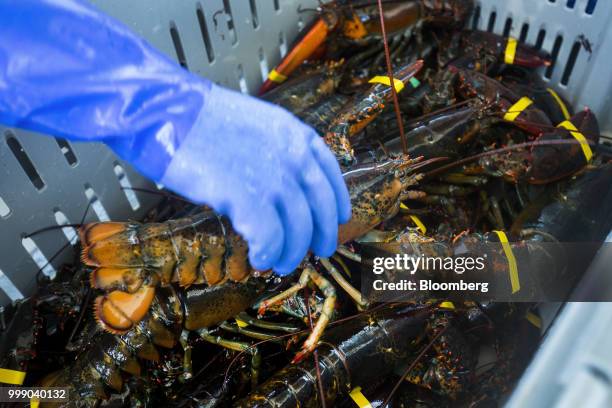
{"x": 362, "y": 304}
{"x": 187, "y": 366}
{"x": 254, "y": 334}
{"x": 236, "y": 346}
{"x": 329, "y": 292}
{"x": 262, "y": 324}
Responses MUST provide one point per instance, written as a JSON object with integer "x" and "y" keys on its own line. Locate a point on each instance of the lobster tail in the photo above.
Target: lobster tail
{"x": 109, "y": 244}
{"x": 123, "y": 279}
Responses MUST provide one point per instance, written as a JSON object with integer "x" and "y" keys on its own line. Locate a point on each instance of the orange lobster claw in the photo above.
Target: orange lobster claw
{"x": 117, "y": 312}
{"x": 298, "y": 54}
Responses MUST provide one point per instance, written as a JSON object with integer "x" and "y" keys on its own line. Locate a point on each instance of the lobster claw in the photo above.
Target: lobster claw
{"x": 520, "y": 111}
{"x": 506, "y": 49}
{"x": 553, "y": 161}
{"x": 527, "y": 56}
{"x": 305, "y": 48}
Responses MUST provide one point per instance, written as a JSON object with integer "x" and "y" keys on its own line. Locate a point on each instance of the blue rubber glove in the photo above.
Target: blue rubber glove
{"x": 68, "y": 70}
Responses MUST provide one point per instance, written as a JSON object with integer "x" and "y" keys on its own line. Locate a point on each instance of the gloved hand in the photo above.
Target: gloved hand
{"x": 71, "y": 71}
{"x": 272, "y": 175}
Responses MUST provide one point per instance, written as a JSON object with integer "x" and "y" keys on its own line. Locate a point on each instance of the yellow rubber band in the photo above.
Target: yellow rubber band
{"x": 241, "y": 323}
{"x": 360, "y": 399}
{"x": 382, "y": 79}
{"x": 276, "y": 76}
{"x": 12, "y": 376}
{"x": 584, "y": 144}
{"x": 510, "y": 51}
{"x": 517, "y": 108}
{"x": 534, "y": 319}
{"x": 512, "y": 268}
{"x": 559, "y": 101}
{"x": 417, "y": 221}
{"x": 34, "y": 403}
{"x": 447, "y": 305}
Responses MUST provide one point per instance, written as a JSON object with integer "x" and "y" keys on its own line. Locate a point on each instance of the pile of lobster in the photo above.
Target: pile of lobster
{"x": 463, "y": 143}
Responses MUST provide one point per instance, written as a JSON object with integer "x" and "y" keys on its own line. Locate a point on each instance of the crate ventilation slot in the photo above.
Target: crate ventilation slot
{"x": 491, "y": 24}
{"x": 95, "y": 203}
{"x": 540, "y": 39}
{"x": 126, "y": 187}
{"x": 24, "y": 161}
{"x": 254, "y": 17}
{"x": 507, "y": 27}
{"x": 178, "y": 45}
{"x": 571, "y": 61}
{"x": 554, "y": 54}
{"x": 210, "y": 53}
{"x": 524, "y": 32}
{"x": 476, "y": 18}
{"x": 242, "y": 80}
{"x": 230, "y": 22}
{"x": 282, "y": 44}
{"x": 69, "y": 232}
{"x": 263, "y": 65}
{"x": 9, "y": 287}
{"x": 276, "y": 5}
{"x": 590, "y": 8}
{"x": 67, "y": 151}
{"x": 38, "y": 257}
{"x": 5, "y": 211}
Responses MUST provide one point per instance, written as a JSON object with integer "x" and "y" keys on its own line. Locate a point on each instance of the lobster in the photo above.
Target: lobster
{"x": 100, "y": 365}
{"x": 357, "y": 114}
{"x": 484, "y": 52}
{"x": 577, "y": 212}
{"x": 359, "y": 22}
{"x": 131, "y": 259}
{"x": 357, "y": 352}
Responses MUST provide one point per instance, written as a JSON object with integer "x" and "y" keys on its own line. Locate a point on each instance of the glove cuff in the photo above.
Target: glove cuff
{"x": 153, "y": 147}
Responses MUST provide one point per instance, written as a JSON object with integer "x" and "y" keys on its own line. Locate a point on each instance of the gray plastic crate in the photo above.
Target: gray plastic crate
{"x": 235, "y": 42}
{"x": 573, "y": 366}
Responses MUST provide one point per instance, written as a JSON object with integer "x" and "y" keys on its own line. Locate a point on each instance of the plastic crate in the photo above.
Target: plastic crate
{"x": 235, "y": 43}
{"x": 573, "y": 365}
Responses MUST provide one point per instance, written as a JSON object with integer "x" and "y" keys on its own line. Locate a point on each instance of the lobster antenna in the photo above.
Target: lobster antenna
{"x": 500, "y": 150}
{"x": 398, "y": 113}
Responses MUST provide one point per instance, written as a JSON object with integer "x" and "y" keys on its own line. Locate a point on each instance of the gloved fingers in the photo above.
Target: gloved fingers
{"x": 297, "y": 222}
{"x": 259, "y": 223}
{"x": 330, "y": 167}
{"x": 323, "y": 207}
